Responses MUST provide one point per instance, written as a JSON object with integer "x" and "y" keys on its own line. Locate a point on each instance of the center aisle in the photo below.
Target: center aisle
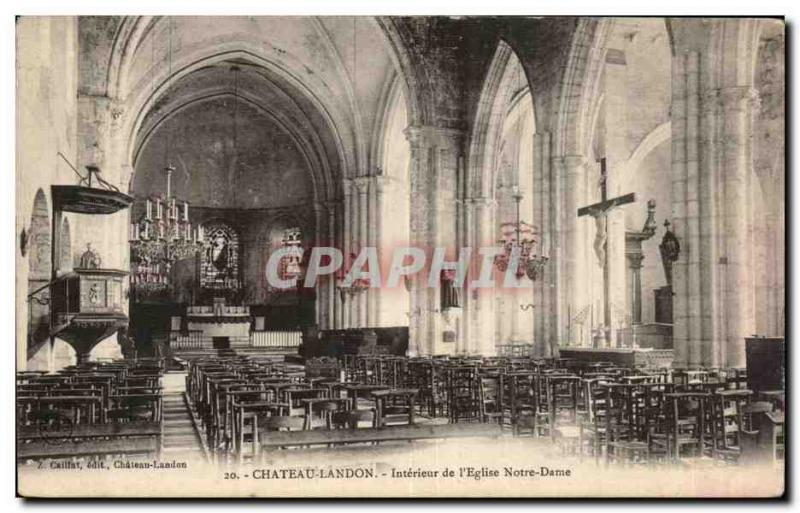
{"x": 178, "y": 429}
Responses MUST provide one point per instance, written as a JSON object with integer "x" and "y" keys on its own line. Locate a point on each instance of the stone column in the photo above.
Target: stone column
{"x": 692, "y": 206}
{"x": 381, "y": 182}
{"x": 335, "y": 310}
{"x": 434, "y": 171}
{"x": 708, "y": 183}
{"x": 680, "y": 312}
{"x": 712, "y": 161}
{"x": 738, "y": 104}
{"x": 321, "y": 298}
{"x": 543, "y": 338}
{"x": 617, "y": 150}
{"x": 573, "y": 285}
{"x": 635, "y": 257}
{"x": 362, "y": 241}
{"x": 483, "y": 333}
{"x": 467, "y": 240}
{"x": 418, "y": 164}
{"x": 348, "y": 238}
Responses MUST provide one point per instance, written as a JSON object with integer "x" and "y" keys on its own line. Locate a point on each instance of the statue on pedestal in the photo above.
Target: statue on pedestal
{"x": 90, "y": 259}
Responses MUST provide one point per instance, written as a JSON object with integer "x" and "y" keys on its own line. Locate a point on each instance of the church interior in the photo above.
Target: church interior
{"x": 631, "y": 170}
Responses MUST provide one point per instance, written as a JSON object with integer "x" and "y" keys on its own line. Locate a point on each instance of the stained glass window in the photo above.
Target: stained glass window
{"x": 290, "y": 265}
{"x": 219, "y": 266}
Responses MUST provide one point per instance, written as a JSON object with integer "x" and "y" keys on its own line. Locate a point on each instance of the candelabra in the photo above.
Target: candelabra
{"x": 161, "y": 236}
{"x": 518, "y": 242}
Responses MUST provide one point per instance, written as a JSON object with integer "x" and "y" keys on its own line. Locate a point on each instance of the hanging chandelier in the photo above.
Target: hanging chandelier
{"x": 518, "y": 241}
{"x": 163, "y": 234}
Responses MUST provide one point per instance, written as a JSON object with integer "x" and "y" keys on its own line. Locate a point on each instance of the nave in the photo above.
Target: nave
{"x": 241, "y": 409}
{"x": 251, "y": 239}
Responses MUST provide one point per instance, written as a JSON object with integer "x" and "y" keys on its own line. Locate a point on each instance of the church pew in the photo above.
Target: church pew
{"x": 44, "y": 449}
{"x": 130, "y": 406}
{"x": 88, "y": 440}
{"x": 276, "y": 440}
{"x": 88, "y": 431}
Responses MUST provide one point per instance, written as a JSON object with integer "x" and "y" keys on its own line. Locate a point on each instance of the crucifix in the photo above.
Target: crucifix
{"x": 599, "y": 211}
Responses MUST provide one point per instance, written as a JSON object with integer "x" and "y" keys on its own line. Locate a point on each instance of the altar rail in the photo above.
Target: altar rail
{"x": 514, "y": 350}
{"x": 194, "y": 340}
{"x": 185, "y": 340}
{"x": 275, "y": 338}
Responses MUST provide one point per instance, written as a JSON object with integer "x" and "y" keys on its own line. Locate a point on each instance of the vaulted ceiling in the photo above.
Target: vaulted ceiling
{"x": 324, "y": 82}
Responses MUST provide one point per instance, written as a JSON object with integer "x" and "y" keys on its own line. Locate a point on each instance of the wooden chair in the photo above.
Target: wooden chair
{"x": 592, "y": 416}
{"x": 463, "y": 393}
{"x": 519, "y": 399}
{"x": 395, "y": 406}
{"x": 685, "y": 424}
{"x": 274, "y": 423}
{"x": 491, "y": 398}
{"x": 727, "y": 427}
{"x": 562, "y": 405}
{"x": 354, "y": 419}
{"x": 320, "y": 411}
{"x": 247, "y": 416}
{"x": 134, "y": 408}
{"x": 622, "y": 437}
{"x": 426, "y": 375}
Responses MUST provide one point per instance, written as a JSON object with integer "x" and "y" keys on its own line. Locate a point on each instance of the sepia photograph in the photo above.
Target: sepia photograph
{"x": 385, "y": 256}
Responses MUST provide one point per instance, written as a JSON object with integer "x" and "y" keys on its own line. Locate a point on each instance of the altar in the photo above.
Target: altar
{"x": 220, "y": 326}
{"x": 638, "y": 357}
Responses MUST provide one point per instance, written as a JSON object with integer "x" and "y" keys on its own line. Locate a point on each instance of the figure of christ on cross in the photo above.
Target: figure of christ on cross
{"x": 599, "y": 211}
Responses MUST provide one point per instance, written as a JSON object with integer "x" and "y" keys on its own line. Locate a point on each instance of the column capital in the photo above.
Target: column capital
{"x": 570, "y": 162}
{"x": 384, "y": 181}
{"x": 421, "y": 136}
{"x": 319, "y": 206}
{"x": 332, "y": 205}
{"x": 482, "y": 201}
{"x": 739, "y": 97}
{"x": 360, "y": 184}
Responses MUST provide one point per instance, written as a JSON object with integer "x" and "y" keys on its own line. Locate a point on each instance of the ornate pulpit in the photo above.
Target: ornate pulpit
{"x": 88, "y": 304}
{"x": 88, "y": 307}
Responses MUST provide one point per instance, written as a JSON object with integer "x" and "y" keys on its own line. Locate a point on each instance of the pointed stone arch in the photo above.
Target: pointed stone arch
{"x": 486, "y": 135}
{"x": 39, "y": 269}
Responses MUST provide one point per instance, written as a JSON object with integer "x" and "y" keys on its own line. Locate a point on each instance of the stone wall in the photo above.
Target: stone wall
{"x": 47, "y": 68}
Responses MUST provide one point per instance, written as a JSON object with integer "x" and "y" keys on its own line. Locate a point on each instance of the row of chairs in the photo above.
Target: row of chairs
{"x": 239, "y": 401}
{"x": 602, "y": 409}
{"x": 86, "y": 407}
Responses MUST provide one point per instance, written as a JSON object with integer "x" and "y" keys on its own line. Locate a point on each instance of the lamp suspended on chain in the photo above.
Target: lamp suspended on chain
{"x": 519, "y": 238}
{"x": 163, "y": 233}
